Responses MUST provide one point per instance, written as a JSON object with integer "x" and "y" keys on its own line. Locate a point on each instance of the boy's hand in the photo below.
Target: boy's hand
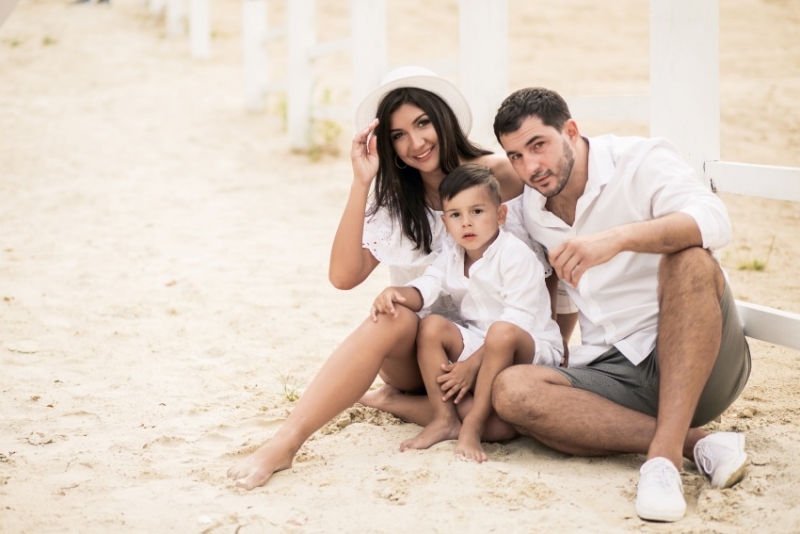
{"x": 458, "y": 379}
{"x": 384, "y": 303}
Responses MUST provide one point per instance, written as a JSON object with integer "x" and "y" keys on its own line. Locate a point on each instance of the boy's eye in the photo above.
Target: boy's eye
{"x": 454, "y": 215}
{"x": 513, "y": 157}
{"x": 477, "y": 211}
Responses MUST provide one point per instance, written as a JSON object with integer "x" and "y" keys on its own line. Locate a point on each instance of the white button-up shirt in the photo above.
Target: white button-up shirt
{"x": 631, "y": 179}
{"x": 506, "y": 284}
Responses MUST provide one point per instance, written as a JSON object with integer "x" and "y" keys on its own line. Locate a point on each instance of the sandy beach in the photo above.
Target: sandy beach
{"x": 163, "y": 276}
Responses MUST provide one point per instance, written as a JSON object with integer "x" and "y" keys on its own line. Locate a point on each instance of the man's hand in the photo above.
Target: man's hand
{"x": 575, "y": 256}
{"x": 458, "y": 379}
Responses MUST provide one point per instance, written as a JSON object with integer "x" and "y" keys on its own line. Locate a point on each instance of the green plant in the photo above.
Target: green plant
{"x": 325, "y": 135}
{"x": 756, "y": 264}
{"x": 289, "y": 390}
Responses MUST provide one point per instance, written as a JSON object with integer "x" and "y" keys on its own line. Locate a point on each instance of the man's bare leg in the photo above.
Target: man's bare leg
{"x": 505, "y": 344}
{"x": 690, "y": 286}
{"x": 387, "y": 345}
{"x": 540, "y": 402}
{"x": 438, "y": 342}
{"x": 582, "y": 423}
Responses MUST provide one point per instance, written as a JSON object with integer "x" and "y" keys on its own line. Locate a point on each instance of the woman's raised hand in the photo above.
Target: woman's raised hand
{"x": 364, "y": 154}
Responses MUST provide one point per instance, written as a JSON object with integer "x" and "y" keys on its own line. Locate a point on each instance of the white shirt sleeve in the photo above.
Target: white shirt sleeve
{"x": 515, "y": 225}
{"x": 676, "y": 188}
{"x": 431, "y": 284}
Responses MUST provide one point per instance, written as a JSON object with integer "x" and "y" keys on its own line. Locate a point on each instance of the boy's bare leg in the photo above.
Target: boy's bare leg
{"x": 387, "y": 345}
{"x": 438, "y": 341}
{"x": 505, "y": 344}
{"x": 542, "y": 403}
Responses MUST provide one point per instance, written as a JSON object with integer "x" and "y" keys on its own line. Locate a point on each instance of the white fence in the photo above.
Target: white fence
{"x": 182, "y": 13}
{"x": 483, "y": 40}
{"x": 683, "y": 104}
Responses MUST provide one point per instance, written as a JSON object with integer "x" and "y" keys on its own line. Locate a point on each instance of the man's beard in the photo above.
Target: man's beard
{"x": 563, "y": 170}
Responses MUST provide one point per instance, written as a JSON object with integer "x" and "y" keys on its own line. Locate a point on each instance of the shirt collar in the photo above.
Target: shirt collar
{"x": 458, "y": 252}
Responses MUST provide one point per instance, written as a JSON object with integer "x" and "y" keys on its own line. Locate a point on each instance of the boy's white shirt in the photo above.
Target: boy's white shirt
{"x": 506, "y": 284}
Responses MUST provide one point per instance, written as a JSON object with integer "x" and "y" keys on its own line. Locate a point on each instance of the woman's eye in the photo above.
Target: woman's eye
{"x": 396, "y": 136}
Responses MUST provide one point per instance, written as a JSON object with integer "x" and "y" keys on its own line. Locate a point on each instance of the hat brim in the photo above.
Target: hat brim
{"x": 368, "y": 108}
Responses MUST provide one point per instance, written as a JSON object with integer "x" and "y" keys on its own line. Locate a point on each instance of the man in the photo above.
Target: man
{"x": 629, "y": 229}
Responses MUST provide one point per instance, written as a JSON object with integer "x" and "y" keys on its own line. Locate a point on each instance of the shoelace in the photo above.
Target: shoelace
{"x": 704, "y": 461}
{"x": 664, "y": 477}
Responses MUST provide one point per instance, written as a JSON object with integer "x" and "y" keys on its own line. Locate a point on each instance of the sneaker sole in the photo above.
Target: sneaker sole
{"x": 665, "y": 516}
{"x": 734, "y": 470}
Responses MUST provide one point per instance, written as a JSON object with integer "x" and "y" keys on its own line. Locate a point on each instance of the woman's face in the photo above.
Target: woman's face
{"x": 414, "y": 138}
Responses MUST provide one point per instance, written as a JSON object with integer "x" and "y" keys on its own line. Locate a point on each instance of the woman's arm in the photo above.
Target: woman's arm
{"x": 350, "y": 263}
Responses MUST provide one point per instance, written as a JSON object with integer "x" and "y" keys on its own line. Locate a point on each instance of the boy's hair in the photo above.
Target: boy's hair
{"x": 466, "y": 176}
{"x": 545, "y": 104}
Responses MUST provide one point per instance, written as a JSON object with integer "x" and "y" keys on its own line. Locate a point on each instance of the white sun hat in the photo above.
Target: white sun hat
{"x": 420, "y": 78}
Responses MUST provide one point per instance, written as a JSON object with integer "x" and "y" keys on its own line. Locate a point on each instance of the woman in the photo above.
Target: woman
{"x": 418, "y": 137}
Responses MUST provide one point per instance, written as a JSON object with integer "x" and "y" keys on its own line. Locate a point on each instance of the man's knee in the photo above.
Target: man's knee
{"x": 693, "y": 269}
{"x": 514, "y": 391}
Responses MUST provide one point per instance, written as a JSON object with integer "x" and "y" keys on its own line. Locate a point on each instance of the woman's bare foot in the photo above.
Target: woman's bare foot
{"x": 380, "y": 398}
{"x": 410, "y": 408}
{"x": 257, "y": 468}
{"x": 440, "y": 429}
{"x": 469, "y": 444}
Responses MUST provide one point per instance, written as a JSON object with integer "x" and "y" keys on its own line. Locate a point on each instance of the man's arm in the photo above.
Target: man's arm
{"x": 664, "y": 235}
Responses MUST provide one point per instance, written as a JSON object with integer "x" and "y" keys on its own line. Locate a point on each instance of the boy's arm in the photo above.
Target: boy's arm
{"x": 407, "y": 296}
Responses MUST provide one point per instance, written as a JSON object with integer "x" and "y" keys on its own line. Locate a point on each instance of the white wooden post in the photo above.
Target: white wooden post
{"x": 483, "y": 45}
{"x": 200, "y": 29}
{"x": 254, "y": 31}
{"x": 369, "y": 46}
{"x": 157, "y": 6}
{"x": 176, "y": 13}
{"x": 5, "y": 9}
{"x": 684, "y": 77}
{"x": 300, "y": 37}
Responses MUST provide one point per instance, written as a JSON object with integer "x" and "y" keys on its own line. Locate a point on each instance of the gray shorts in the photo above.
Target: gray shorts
{"x": 614, "y": 377}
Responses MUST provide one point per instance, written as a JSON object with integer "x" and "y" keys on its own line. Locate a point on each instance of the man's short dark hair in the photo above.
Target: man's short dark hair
{"x": 466, "y": 176}
{"x": 545, "y": 104}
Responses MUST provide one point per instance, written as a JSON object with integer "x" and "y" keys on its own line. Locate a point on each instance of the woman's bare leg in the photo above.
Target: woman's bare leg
{"x": 438, "y": 341}
{"x": 387, "y": 345}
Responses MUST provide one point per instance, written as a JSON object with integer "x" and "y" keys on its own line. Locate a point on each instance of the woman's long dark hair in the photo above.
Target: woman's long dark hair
{"x": 401, "y": 190}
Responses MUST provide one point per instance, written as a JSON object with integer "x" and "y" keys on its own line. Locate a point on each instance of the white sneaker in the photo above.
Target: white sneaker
{"x": 721, "y": 458}
{"x": 659, "y": 496}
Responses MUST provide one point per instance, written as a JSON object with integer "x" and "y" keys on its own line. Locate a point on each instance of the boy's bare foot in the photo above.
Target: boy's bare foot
{"x": 440, "y": 429}
{"x": 257, "y": 468}
{"x": 469, "y": 445}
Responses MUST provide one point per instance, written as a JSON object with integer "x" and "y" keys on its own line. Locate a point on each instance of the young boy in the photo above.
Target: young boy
{"x": 498, "y": 285}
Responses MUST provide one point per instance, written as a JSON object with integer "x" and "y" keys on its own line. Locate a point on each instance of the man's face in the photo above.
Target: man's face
{"x": 541, "y": 156}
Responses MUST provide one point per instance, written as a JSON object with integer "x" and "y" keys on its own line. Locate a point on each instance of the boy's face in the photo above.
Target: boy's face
{"x": 472, "y": 218}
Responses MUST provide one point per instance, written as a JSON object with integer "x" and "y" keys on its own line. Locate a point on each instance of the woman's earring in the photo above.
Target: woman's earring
{"x": 396, "y": 164}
